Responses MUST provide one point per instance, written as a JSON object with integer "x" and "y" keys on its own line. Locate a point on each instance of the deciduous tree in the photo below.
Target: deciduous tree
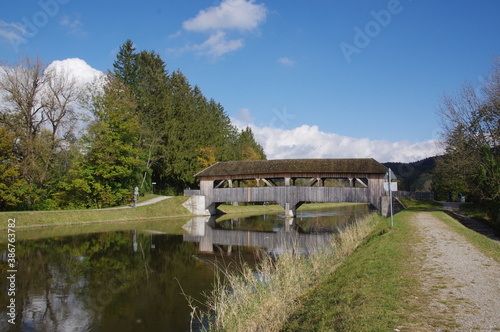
{"x": 471, "y": 123}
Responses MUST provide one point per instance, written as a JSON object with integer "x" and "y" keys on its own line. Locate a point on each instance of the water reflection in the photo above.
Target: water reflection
{"x": 308, "y": 232}
{"x": 130, "y": 279}
{"x": 99, "y": 282}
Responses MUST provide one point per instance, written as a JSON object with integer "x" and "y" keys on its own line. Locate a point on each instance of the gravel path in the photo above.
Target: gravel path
{"x": 153, "y": 200}
{"x": 463, "y": 284}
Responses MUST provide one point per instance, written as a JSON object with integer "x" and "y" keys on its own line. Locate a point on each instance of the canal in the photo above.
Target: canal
{"x": 130, "y": 276}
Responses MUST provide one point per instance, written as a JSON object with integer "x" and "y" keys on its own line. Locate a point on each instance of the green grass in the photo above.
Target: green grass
{"x": 171, "y": 207}
{"x": 370, "y": 291}
{"x": 420, "y": 205}
{"x": 376, "y": 289}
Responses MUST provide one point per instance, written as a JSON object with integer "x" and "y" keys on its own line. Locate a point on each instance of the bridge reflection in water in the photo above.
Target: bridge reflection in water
{"x": 285, "y": 235}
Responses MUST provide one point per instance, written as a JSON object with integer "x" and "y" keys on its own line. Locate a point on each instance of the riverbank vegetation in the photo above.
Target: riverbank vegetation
{"x": 68, "y": 146}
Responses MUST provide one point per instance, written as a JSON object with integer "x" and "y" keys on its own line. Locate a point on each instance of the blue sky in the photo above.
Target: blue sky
{"x": 323, "y": 78}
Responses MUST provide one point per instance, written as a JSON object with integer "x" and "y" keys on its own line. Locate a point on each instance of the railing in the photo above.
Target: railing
{"x": 291, "y": 194}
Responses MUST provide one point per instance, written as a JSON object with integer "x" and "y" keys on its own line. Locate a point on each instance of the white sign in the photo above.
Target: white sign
{"x": 394, "y": 186}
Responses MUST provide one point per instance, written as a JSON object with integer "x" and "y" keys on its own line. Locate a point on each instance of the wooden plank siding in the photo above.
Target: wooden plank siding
{"x": 292, "y": 195}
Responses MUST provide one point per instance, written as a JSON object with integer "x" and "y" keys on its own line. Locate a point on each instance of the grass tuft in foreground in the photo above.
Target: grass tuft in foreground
{"x": 243, "y": 302}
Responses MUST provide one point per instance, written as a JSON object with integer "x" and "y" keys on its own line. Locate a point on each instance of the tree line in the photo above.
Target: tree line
{"x": 471, "y": 164}
{"x": 147, "y": 125}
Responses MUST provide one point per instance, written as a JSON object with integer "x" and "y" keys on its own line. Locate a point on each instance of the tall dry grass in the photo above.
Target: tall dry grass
{"x": 263, "y": 299}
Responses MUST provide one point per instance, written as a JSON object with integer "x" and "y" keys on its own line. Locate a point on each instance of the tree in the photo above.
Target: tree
{"x": 248, "y": 146}
{"x": 21, "y": 89}
{"x": 38, "y": 105}
{"x": 110, "y": 167}
{"x": 125, "y": 65}
{"x": 146, "y": 76}
{"x": 471, "y": 123}
{"x": 181, "y": 131}
{"x": 13, "y": 187}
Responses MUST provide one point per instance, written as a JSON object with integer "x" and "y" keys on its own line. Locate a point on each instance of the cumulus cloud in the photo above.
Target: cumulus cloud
{"x": 217, "y": 21}
{"x": 310, "y": 142}
{"x": 84, "y": 76}
{"x": 216, "y": 45}
{"x": 229, "y": 14}
{"x": 77, "y": 69}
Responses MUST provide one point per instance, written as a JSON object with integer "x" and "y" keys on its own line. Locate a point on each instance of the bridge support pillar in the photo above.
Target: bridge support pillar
{"x": 197, "y": 205}
{"x": 385, "y": 203}
{"x": 290, "y": 210}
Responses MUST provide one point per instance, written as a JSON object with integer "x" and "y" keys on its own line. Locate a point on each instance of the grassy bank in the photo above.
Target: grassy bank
{"x": 376, "y": 288}
{"x": 171, "y": 207}
{"x": 243, "y": 302}
{"x": 367, "y": 282}
{"x": 371, "y": 291}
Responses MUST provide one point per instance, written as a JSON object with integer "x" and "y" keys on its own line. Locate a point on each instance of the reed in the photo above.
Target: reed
{"x": 263, "y": 298}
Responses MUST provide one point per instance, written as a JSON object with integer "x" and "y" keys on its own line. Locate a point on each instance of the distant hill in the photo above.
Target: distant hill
{"x": 415, "y": 176}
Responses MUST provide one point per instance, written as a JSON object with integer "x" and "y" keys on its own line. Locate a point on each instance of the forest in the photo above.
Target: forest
{"x": 148, "y": 128}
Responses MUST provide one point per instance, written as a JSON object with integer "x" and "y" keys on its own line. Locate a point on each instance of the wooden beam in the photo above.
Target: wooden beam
{"x": 219, "y": 184}
{"x": 362, "y": 183}
{"x": 267, "y": 183}
{"x": 311, "y": 182}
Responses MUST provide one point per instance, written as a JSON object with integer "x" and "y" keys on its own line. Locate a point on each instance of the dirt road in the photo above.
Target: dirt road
{"x": 463, "y": 284}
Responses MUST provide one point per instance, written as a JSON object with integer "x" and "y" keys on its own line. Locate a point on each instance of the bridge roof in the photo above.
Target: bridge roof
{"x": 283, "y": 166}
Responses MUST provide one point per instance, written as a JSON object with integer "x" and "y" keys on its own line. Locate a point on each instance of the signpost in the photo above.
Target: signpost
{"x": 390, "y": 187}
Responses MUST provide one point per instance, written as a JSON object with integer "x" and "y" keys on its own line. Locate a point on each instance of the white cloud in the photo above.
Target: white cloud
{"x": 77, "y": 69}
{"x": 75, "y": 26}
{"x": 230, "y": 14}
{"x": 286, "y": 61}
{"x": 309, "y": 142}
{"x": 85, "y": 76}
{"x": 13, "y": 33}
{"x": 244, "y": 115}
{"x": 217, "y": 44}
{"x": 217, "y": 21}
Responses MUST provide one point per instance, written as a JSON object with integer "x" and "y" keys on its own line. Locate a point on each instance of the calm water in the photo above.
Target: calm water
{"x": 131, "y": 279}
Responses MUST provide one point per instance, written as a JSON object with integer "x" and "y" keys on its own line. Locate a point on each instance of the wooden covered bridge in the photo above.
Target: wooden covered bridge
{"x": 289, "y": 182}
